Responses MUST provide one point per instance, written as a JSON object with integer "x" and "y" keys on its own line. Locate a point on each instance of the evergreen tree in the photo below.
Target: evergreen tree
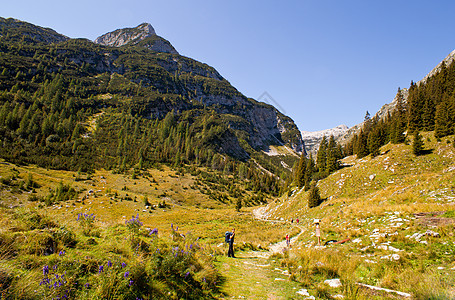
{"x": 398, "y": 120}
{"x": 300, "y": 171}
{"x": 331, "y": 156}
{"x": 322, "y": 155}
{"x": 417, "y": 144}
{"x": 443, "y": 126}
{"x": 361, "y": 147}
{"x": 309, "y": 170}
{"x": 314, "y": 198}
{"x": 238, "y": 204}
{"x": 374, "y": 141}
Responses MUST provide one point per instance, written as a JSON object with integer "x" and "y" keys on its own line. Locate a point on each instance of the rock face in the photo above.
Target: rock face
{"x": 124, "y": 36}
{"x": 312, "y": 139}
{"x": 136, "y": 35}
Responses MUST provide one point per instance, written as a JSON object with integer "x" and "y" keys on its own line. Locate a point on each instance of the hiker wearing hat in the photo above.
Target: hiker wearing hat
{"x": 318, "y": 230}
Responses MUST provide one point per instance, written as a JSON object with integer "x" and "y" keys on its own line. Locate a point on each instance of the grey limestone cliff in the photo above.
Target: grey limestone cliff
{"x": 143, "y": 34}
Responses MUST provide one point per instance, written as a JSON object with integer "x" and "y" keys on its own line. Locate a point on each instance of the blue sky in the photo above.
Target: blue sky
{"x": 324, "y": 62}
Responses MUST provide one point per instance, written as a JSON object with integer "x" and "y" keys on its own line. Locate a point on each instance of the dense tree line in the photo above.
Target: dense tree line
{"x": 307, "y": 171}
{"x": 430, "y": 106}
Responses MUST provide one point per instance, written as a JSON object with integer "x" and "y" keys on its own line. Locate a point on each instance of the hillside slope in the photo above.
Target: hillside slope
{"x": 396, "y": 209}
{"x": 68, "y": 82}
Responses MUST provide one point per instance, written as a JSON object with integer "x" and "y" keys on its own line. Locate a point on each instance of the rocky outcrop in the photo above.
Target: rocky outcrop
{"x": 312, "y": 139}
{"x": 125, "y": 36}
{"x": 143, "y": 34}
{"x": 447, "y": 61}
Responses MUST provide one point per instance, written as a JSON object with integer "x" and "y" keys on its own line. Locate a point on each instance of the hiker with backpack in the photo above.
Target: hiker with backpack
{"x": 229, "y": 238}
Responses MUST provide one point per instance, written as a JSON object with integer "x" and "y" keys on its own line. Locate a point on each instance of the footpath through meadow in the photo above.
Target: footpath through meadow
{"x": 257, "y": 275}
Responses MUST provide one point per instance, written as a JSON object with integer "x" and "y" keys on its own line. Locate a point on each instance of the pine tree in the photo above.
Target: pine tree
{"x": 374, "y": 142}
{"x": 331, "y": 156}
{"x": 443, "y": 126}
{"x": 417, "y": 145}
{"x": 299, "y": 178}
{"x": 361, "y": 147}
{"x": 414, "y": 108}
{"x": 238, "y": 204}
{"x": 309, "y": 170}
{"x": 322, "y": 155}
{"x": 314, "y": 198}
{"x": 398, "y": 120}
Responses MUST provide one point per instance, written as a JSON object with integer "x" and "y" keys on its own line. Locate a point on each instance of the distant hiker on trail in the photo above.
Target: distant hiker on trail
{"x": 288, "y": 241}
{"x": 297, "y": 221}
{"x": 231, "y": 243}
{"x": 318, "y": 230}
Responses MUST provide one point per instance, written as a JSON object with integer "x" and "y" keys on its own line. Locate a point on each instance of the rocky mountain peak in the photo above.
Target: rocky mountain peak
{"x": 125, "y": 36}
{"x": 144, "y": 35}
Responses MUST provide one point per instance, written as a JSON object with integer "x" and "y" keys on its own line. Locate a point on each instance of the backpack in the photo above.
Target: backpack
{"x": 227, "y": 236}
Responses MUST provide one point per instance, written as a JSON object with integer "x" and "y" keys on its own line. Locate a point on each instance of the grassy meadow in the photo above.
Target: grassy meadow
{"x": 76, "y": 235}
{"x": 398, "y": 211}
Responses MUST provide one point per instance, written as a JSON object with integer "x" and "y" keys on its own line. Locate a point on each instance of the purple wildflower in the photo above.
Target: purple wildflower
{"x": 109, "y": 264}
{"x": 101, "y": 269}
{"x": 187, "y": 274}
{"x": 87, "y": 285}
{"x": 45, "y": 270}
{"x": 131, "y": 282}
{"x": 154, "y": 231}
{"x": 126, "y": 274}
{"x": 123, "y": 265}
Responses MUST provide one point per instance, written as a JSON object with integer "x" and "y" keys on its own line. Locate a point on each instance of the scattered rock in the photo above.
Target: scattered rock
{"x": 391, "y": 257}
{"x": 372, "y": 177}
{"x": 303, "y": 292}
{"x": 335, "y": 283}
{"x": 432, "y": 233}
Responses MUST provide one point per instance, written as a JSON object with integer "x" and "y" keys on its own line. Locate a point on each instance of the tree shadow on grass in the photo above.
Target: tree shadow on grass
{"x": 425, "y": 152}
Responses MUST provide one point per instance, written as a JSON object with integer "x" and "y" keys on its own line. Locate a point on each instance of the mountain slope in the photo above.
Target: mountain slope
{"x": 391, "y": 215}
{"x": 19, "y": 31}
{"x": 76, "y": 105}
{"x": 388, "y": 108}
